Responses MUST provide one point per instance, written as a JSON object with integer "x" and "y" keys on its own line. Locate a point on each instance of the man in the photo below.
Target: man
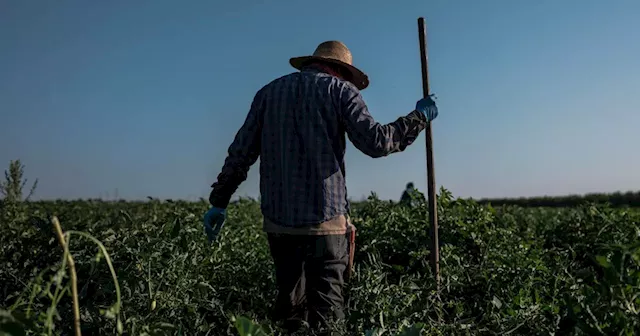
{"x": 297, "y": 126}
{"x": 408, "y": 195}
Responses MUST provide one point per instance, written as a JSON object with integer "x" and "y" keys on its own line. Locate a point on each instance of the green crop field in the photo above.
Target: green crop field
{"x": 505, "y": 270}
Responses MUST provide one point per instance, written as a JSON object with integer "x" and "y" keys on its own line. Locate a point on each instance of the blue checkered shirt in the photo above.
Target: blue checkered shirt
{"x": 297, "y": 126}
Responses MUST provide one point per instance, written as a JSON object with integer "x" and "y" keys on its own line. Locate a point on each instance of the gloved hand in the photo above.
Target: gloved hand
{"x": 213, "y": 221}
{"x": 427, "y": 107}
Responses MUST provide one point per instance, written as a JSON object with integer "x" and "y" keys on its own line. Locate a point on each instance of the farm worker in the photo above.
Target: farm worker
{"x": 409, "y": 195}
{"x": 297, "y": 126}
{"x": 406, "y": 195}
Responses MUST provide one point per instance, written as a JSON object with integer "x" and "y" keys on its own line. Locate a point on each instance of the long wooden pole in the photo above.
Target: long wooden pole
{"x": 431, "y": 176}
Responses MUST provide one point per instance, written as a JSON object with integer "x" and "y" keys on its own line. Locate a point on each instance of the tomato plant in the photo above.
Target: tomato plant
{"x": 505, "y": 270}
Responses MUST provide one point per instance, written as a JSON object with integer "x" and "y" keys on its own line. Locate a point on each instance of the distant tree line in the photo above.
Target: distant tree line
{"x": 616, "y": 199}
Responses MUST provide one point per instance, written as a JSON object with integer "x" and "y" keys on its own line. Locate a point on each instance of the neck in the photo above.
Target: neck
{"x": 324, "y": 68}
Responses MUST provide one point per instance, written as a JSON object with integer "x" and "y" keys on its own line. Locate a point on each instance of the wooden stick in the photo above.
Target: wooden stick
{"x": 431, "y": 176}
{"x": 72, "y": 275}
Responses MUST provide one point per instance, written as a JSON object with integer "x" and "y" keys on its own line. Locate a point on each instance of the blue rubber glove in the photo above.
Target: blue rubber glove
{"x": 427, "y": 107}
{"x": 213, "y": 222}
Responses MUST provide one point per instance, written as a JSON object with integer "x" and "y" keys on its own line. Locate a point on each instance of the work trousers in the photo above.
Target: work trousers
{"x": 311, "y": 273}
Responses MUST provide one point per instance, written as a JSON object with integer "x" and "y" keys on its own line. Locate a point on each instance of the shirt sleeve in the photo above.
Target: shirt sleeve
{"x": 372, "y": 138}
{"x": 242, "y": 154}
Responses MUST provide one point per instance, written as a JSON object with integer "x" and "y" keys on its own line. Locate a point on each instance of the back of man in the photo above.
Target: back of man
{"x": 302, "y": 174}
{"x": 297, "y": 125}
{"x": 304, "y": 196}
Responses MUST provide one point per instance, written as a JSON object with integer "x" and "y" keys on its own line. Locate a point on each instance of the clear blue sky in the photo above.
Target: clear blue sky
{"x": 535, "y": 97}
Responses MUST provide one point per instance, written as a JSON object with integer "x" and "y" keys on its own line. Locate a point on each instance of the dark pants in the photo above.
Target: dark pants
{"x": 311, "y": 272}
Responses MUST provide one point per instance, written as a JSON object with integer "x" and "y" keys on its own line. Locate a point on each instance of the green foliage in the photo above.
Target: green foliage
{"x": 14, "y": 182}
{"x": 616, "y": 199}
{"x": 506, "y": 270}
{"x": 246, "y": 327}
{"x": 11, "y": 189}
{"x": 11, "y": 325}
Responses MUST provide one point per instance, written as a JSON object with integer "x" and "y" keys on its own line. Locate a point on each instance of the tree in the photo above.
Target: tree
{"x": 11, "y": 188}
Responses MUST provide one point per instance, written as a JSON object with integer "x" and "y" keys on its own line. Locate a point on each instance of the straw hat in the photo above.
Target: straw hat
{"x": 337, "y": 53}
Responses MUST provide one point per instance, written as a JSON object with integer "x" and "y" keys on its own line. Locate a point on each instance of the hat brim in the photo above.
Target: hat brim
{"x": 358, "y": 78}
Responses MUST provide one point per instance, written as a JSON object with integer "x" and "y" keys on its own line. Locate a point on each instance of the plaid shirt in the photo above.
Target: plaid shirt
{"x": 297, "y": 126}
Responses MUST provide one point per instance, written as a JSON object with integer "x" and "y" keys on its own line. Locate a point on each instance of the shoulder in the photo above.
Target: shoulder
{"x": 349, "y": 95}
{"x": 277, "y": 86}
{"x": 342, "y": 90}
{"x": 341, "y": 85}
{"x": 263, "y": 94}
{"x": 280, "y": 81}
{"x": 350, "y": 91}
